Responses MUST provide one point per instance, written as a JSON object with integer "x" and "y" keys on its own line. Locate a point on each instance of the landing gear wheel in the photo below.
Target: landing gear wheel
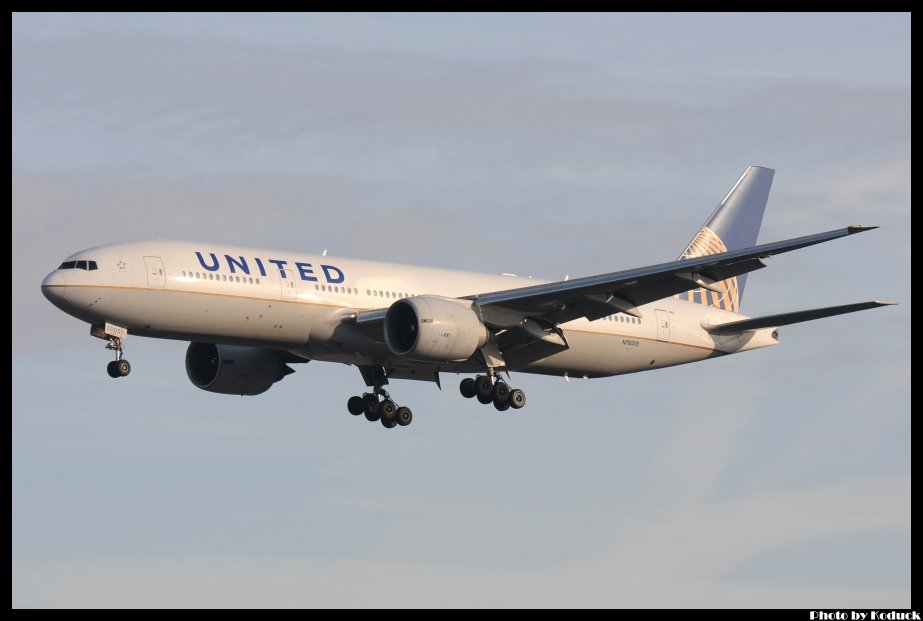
{"x": 112, "y": 369}
{"x": 404, "y": 416}
{"x": 355, "y": 405}
{"x": 517, "y": 399}
{"x": 485, "y": 399}
{"x": 388, "y": 423}
{"x": 501, "y": 392}
{"x": 485, "y": 387}
{"x": 372, "y": 403}
{"x": 502, "y": 406}
{"x": 372, "y": 407}
{"x": 388, "y": 410}
{"x": 122, "y": 367}
{"x": 468, "y": 388}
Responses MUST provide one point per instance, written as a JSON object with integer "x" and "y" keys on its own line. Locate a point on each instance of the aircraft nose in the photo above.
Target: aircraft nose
{"x": 54, "y": 288}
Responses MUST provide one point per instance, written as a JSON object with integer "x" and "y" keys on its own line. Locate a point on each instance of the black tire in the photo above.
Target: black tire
{"x": 388, "y": 410}
{"x": 517, "y": 399}
{"x": 485, "y": 388}
{"x": 485, "y": 399}
{"x": 113, "y": 370}
{"x": 123, "y": 367}
{"x": 468, "y": 388}
{"x": 404, "y": 416}
{"x": 388, "y": 423}
{"x": 502, "y": 406}
{"x": 372, "y": 407}
{"x": 501, "y": 392}
{"x": 355, "y": 405}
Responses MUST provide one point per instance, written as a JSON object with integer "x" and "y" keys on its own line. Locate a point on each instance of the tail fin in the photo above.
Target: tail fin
{"x": 734, "y": 224}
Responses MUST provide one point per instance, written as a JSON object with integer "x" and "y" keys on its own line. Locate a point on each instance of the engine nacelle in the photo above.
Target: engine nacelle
{"x": 232, "y": 370}
{"x": 434, "y": 329}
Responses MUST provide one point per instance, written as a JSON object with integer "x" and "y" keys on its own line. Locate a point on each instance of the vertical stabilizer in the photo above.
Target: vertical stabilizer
{"x": 735, "y": 224}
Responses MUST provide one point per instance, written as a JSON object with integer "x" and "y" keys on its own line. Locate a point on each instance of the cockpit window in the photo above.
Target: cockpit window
{"x": 78, "y": 265}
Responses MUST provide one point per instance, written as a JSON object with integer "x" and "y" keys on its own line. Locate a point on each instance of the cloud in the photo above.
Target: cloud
{"x": 679, "y": 560}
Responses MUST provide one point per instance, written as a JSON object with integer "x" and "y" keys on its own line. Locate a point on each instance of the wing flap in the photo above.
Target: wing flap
{"x": 784, "y": 319}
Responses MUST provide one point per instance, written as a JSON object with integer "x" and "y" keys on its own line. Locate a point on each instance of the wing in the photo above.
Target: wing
{"x": 598, "y": 296}
{"x": 526, "y": 319}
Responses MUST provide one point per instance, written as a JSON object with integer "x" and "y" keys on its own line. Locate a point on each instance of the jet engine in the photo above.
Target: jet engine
{"x": 232, "y": 370}
{"x": 434, "y": 329}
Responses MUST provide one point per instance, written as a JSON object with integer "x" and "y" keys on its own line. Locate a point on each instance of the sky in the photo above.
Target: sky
{"x": 545, "y": 145}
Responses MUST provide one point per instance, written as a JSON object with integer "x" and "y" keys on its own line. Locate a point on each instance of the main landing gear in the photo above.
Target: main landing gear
{"x": 118, "y": 367}
{"x": 379, "y": 406}
{"x": 492, "y": 389}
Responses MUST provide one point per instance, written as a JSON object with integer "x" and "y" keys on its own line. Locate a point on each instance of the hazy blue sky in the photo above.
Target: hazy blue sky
{"x": 537, "y": 144}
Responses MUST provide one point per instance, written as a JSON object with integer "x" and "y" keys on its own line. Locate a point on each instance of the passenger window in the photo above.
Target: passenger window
{"x": 251, "y": 280}
{"x": 257, "y": 281}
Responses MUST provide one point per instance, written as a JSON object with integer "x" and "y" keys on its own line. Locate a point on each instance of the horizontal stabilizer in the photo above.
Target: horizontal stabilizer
{"x": 784, "y": 319}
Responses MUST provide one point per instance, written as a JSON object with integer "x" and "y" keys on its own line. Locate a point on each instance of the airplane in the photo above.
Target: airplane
{"x": 250, "y": 313}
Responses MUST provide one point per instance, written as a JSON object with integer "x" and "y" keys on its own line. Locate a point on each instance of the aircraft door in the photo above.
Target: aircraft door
{"x": 156, "y": 277}
{"x": 289, "y": 286}
{"x": 663, "y": 325}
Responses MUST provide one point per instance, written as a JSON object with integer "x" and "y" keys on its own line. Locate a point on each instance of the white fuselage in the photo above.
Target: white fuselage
{"x": 298, "y": 302}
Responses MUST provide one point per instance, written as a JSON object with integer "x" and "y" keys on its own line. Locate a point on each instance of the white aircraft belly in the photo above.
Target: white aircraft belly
{"x": 191, "y": 316}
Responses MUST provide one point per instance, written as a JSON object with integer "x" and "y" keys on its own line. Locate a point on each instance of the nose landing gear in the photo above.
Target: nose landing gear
{"x": 118, "y": 368}
{"x": 114, "y": 336}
